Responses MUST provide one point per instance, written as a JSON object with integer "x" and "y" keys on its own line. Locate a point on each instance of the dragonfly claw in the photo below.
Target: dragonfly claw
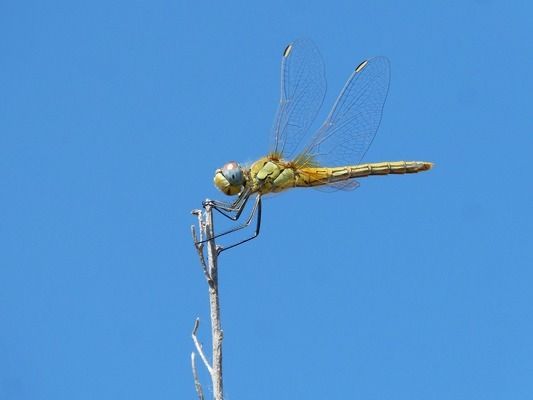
{"x": 207, "y": 202}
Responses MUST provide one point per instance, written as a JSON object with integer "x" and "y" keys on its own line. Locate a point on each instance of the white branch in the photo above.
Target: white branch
{"x": 216, "y": 329}
{"x": 197, "y": 384}
{"x": 199, "y": 346}
{"x": 210, "y": 269}
{"x": 198, "y": 243}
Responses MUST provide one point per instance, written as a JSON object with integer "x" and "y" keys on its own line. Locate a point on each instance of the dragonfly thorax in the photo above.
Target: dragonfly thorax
{"x": 230, "y": 178}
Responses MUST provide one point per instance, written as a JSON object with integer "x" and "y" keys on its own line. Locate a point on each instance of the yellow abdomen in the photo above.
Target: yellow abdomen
{"x": 323, "y": 175}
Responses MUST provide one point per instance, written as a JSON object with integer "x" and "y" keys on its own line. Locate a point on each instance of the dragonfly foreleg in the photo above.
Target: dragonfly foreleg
{"x": 255, "y": 210}
{"x": 232, "y": 211}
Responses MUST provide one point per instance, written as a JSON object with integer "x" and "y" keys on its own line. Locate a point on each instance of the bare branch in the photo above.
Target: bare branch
{"x": 197, "y": 384}
{"x": 209, "y": 266}
{"x": 199, "y": 346}
{"x": 198, "y": 214}
{"x": 216, "y": 328}
{"x": 200, "y": 250}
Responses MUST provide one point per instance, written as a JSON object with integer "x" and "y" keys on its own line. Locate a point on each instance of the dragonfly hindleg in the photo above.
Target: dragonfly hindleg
{"x": 255, "y": 210}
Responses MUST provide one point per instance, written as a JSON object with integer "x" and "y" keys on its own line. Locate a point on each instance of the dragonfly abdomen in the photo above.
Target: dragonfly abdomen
{"x": 388, "y": 167}
{"x": 323, "y": 176}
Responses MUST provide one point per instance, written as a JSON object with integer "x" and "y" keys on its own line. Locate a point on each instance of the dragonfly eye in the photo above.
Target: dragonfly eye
{"x": 229, "y": 179}
{"x": 233, "y": 173}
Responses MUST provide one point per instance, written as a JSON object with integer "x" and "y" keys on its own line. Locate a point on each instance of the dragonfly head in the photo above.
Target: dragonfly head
{"x": 229, "y": 179}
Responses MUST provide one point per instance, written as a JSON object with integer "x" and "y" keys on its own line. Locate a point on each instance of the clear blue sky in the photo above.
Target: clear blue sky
{"x": 113, "y": 117}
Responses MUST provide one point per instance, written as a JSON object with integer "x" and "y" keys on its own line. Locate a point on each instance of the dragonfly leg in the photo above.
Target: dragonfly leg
{"x": 255, "y": 210}
{"x": 232, "y": 211}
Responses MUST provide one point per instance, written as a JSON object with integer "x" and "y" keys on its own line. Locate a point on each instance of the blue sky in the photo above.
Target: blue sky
{"x": 113, "y": 117}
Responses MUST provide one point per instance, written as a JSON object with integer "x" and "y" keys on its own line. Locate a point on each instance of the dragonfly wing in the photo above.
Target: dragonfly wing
{"x": 342, "y": 185}
{"x": 303, "y": 86}
{"x": 351, "y": 125}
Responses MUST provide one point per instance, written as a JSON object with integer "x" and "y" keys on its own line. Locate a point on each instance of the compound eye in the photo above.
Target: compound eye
{"x": 233, "y": 173}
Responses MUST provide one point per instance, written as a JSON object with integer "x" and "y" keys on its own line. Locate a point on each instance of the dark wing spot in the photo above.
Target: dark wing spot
{"x": 361, "y": 66}
{"x": 287, "y": 50}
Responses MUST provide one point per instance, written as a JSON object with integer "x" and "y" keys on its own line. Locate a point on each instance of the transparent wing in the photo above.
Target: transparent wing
{"x": 351, "y": 125}
{"x": 303, "y": 86}
{"x": 336, "y": 186}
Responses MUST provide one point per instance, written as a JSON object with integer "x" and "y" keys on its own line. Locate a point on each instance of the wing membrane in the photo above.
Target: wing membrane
{"x": 303, "y": 86}
{"x": 351, "y": 125}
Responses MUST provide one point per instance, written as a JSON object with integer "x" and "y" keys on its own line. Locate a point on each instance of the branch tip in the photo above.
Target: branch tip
{"x": 199, "y": 346}
{"x": 197, "y": 384}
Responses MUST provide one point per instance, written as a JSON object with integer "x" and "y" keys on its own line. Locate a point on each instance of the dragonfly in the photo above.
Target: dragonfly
{"x": 332, "y": 157}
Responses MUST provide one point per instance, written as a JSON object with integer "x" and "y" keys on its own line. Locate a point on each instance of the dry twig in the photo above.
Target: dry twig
{"x": 210, "y": 269}
{"x": 197, "y": 384}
